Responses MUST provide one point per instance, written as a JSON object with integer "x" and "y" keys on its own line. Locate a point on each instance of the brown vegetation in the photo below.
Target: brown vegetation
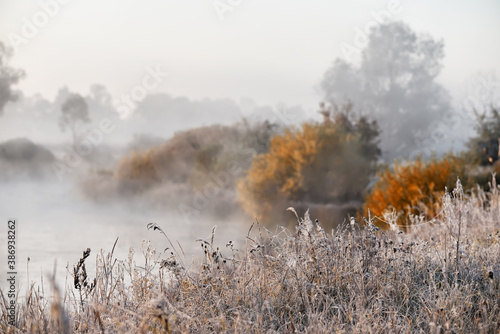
{"x": 442, "y": 276}
{"x": 192, "y": 164}
{"x": 328, "y": 163}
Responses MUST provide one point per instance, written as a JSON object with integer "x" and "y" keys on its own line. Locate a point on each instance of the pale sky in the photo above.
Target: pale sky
{"x": 271, "y": 51}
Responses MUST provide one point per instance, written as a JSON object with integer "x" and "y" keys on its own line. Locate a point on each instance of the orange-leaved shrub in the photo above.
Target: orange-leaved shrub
{"x": 415, "y": 187}
{"x": 327, "y": 163}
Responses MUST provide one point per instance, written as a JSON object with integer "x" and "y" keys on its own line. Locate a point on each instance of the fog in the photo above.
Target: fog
{"x": 55, "y": 224}
{"x": 107, "y": 126}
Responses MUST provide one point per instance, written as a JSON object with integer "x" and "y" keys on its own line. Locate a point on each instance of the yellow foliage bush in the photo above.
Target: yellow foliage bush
{"x": 414, "y": 188}
{"x": 137, "y": 172}
{"x": 277, "y": 175}
{"x": 317, "y": 163}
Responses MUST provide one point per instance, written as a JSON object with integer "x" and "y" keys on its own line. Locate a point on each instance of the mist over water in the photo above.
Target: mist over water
{"x": 55, "y": 224}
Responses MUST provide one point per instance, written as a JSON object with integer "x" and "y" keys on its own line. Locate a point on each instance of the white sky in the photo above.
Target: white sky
{"x": 271, "y": 51}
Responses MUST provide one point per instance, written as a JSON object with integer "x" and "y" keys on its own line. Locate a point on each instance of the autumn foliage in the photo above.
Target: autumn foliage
{"x": 192, "y": 156}
{"x": 192, "y": 172}
{"x": 415, "y": 188}
{"x": 138, "y": 170}
{"x": 318, "y": 163}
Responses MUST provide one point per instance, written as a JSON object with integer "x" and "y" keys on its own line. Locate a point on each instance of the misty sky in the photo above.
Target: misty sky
{"x": 271, "y": 51}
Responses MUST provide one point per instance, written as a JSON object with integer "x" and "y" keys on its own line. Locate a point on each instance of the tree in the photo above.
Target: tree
{"x": 74, "y": 112}
{"x": 319, "y": 163}
{"x": 484, "y": 147}
{"x": 395, "y": 84}
{"x": 8, "y": 77}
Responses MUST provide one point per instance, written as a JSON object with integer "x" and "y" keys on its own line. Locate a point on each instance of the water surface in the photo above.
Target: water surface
{"x": 55, "y": 224}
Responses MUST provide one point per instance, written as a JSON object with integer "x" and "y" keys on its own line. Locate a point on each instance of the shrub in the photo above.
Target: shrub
{"x": 204, "y": 163}
{"x": 191, "y": 156}
{"x": 325, "y": 163}
{"x": 415, "y": 187}
{"x": 21, "y": 158}
{"x": 137, "y": 172}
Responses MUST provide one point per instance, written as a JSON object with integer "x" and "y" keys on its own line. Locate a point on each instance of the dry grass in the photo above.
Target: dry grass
{"x": 440, "y": 276}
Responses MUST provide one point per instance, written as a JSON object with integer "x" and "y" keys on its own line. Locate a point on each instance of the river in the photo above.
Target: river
{"x": 55, "y": 224}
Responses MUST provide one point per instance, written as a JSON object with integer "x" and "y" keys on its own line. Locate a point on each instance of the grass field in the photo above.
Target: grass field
{"x": 439, "y": 276}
